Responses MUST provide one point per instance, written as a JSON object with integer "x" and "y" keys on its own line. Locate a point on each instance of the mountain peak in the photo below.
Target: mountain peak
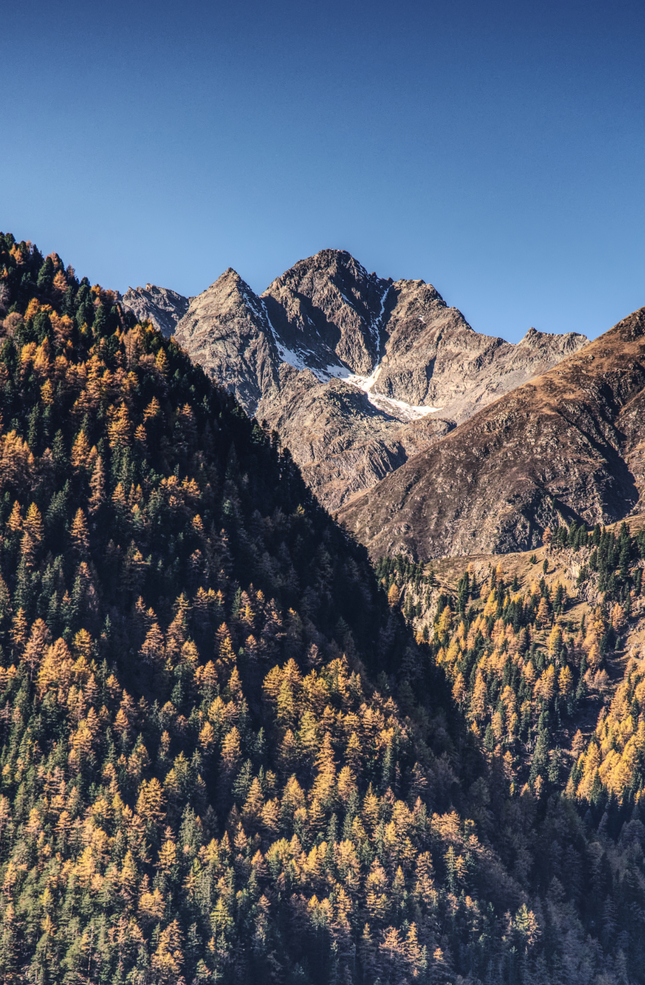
{"x": 230, "y": 274}
{"x": 332, "y": 266}
{"x": 386, "y": 357}
{"x": 226, "y": 330}
{"x": 330, "y": 302}
{"x": 567, "y": 343}
{"x": 159, "y": 305}
{"x": 230, "y": 280}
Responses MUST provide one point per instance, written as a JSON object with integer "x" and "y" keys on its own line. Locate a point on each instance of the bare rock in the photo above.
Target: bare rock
{"x": 329, "y": 310}
{"x": 342, "y": 443}
{"x": 434, "y": 358}
{"x": 226, "y": 331}
{"x": 158, "y": 305}
{"x": 356, "y": 373}
{"x": 569, "y": 444}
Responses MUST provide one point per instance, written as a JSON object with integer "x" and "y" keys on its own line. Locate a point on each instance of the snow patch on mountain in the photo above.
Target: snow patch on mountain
{"x": 399, "y": 408}
{"x": 287, "y": 355}
{"x": 377, "y": 325}
{"x": 387, "y": 405}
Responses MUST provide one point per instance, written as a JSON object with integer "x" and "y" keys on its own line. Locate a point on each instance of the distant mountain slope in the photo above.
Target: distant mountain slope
{"x": 327, "y": 335}
{"x": 568, "y": 444}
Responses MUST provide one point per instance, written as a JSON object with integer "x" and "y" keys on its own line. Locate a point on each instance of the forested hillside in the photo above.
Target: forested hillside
{"x": 224, "y": 757}
{"x": 535, "y": 663}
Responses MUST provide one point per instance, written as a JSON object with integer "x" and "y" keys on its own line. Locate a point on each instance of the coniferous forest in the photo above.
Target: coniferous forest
{"x": 225, "y": 757}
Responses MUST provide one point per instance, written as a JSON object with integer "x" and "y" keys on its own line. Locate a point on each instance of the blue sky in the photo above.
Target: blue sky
{"x": 495, "y": 150}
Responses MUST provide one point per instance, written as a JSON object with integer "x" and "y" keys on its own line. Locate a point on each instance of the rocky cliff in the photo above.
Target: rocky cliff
{"x": 226, "y": 330}
{"x": 356, "y": 373}
{"x": 158, "y": 305}
{"x": 569, "y": 444}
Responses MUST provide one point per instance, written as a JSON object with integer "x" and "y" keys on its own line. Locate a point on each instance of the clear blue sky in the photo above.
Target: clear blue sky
{"x": 493, "y": 149}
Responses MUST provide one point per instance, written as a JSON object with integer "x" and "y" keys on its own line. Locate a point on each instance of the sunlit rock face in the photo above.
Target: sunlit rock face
{"x": 569, "y": 444}
{"x": 158, "y": 305}
{"x": 355, "y": 372}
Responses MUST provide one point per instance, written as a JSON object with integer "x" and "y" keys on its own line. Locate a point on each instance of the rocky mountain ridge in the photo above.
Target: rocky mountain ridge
{"x": 355, "y": 372}
{"x": 567, "y": 445}
{"x": 160, "y": 306}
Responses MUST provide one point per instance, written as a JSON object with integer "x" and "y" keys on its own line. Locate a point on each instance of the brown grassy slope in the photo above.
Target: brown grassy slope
{"x": 563, "y": 566}
{"x": 567, "y": 444}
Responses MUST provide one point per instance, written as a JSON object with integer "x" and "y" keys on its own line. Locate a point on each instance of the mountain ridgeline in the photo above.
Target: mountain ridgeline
{"x": 423, "y": 436}
{"x": 356, "y": 373}
{"x": 569, "y": 445}
{"x": 224, "y": 758}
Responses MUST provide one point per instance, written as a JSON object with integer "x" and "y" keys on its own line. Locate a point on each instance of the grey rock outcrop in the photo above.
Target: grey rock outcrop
{"x": 158, "y": 305}
{"x": 434, "y": 358}
{"x": 342, "y": 443}
{"x": 329, "y": 310}
{"x": 226, "y": 330}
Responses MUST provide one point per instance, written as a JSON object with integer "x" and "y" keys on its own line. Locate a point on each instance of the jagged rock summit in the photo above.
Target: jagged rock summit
{"x": 356, "y": 372}
{"x": 158, "y": 305}
{"x": 226, "y": 330}
{"x": 331, "y": 311}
